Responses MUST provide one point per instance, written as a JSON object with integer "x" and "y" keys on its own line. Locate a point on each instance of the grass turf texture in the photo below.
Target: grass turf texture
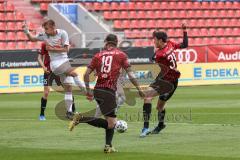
{"x": 203, "y": 122}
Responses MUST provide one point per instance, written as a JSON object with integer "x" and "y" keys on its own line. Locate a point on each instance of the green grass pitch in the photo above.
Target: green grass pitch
{"x": 203, "y": 123}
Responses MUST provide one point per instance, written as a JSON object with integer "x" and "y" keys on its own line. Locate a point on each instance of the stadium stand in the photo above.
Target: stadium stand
{"x": 12, "y": 15}
{"x": 214, "y": 22}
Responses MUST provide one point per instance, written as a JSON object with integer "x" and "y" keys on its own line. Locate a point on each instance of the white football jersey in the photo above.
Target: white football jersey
{"x": 59, "y": 40}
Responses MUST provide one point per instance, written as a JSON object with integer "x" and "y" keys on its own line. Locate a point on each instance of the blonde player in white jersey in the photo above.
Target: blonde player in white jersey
{"x": 57, "y": 44}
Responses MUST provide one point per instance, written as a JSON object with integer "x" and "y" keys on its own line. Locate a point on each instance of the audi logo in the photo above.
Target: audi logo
{"x": 186, "y": 55}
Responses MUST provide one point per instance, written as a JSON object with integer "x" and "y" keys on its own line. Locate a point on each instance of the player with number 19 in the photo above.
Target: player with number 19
{"x": 107, "y": 65}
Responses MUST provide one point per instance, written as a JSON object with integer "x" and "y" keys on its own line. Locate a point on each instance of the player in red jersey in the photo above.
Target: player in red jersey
{"x": 44, "y": 61}
{"x": 107, "y": 65}
{"x": 166, "y": 82}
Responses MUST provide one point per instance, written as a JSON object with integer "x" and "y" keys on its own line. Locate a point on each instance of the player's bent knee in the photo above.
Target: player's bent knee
{"x": 111, "y": 122}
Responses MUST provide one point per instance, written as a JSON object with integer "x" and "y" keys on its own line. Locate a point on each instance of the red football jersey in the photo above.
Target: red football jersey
{"x": 46, "y": 57}
{"x": 107, "y": 65}
{"x": 167, "y": 60}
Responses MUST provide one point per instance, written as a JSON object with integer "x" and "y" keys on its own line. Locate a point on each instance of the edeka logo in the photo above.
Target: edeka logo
{"x": 26, "y": 80}
{"x": 200, "y": 73}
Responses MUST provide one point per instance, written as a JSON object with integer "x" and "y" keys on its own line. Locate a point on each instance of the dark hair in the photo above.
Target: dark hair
{"x": 111, "y": 39}
{"x": 160, "y": 35}
{"x": 48, "y": 22}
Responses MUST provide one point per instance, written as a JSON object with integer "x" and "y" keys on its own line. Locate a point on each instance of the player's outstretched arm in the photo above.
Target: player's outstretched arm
{"x": 28, "y": 34}
{"x": 134, "y": 81}
{"x": 184, "y": 44}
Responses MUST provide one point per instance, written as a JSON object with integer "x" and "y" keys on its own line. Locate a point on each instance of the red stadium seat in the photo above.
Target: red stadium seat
{"x": 237, "y": 40}
{"x": 214, "y": 40}
{"x": 182, "y": 14}
{"x": 210, "y": 22}
{"x": 31, "y": 26}
{"x": 31, "y": 45}
{"x": 117, "y": 24}
{"x": 220, "y": 5}
{"x": 175, "y": 14}
{"x": 11, "y": 36}
{"x": 9, "y": 8}
{"x": 105, "y": 6}
{"x": 235, "y": 31}
{"x": 132, "y": 14}
{"x": 97, "y": 6}
{"x": 128, "y": 33}
{"x": 123, "y": 6}
{"x": 222, "y": 40}
{"x": 212, "y": 5}
{"x": 190, "y": 14}
{"x": 88, "y": 6}
{"x": 150, "y": 14}
{"x": 10, "y": 16}
{"x": 236, "y": 5}
{"x": 180, "y": 5}
{"x": 172, "y": 5}
{"x": 201, "y": 22}
{"x": 2, "y": 7}
{"x": 176, "y": 23}
{"x": 192, "y": 23}
{"x": 125, "y": 24}
{"x": 189, "y": 5}
{"x": 229, "y": 13}
{"x": 21, "y": 45}
{"x": 220, "y": 32}
{"x": 114, "y": 6}
{"x": 160, "y": 23}
{"x": 214, "y": 14}
{"x": 2, "y": 16}
{"x": 139, "y": 5}
{"x": 204, "y": 32}
{"x": 171, "y": 32}
{"x": 138, "y": 43}
{"x": 212, "y": 32}
{"x": 21, "y": 36}
{"x": 43, "y": 7}
{"x": 225, "y": 22}
{"x": 163, "y": 5}
{"x": 228, "y": 31}
{"x": 151, "y": 24}
{"x": 156, "y": 5}
{"x": 141, "y": 15}
{"x": 237, "y": 13}
{"x": 198, "y": 13}
{"x": 228, "y": 5}
{"x": 20, "y": 16}
{"x": 3, "y": 46}
{"x": 136, "y": 33}
{"x": 107, "y": 15}
{"x": 148, "y": 6}
{"x": 206, "y": 14}
{"x": 195, "y": 5}
{"x": 230, "y": 40}
{"x": 198, "y": 41}
{"x": 204, "y": 5}
{"x": 3, "y": 36}
{"x": 234, "y": 22}
{"x": 11, "y": 46}
{"x": 195, "y": 32}
{"x": 165, "y": 14}
{"x": 131, "y": 6}
{"x": 178, "y": 32}
{"x": 3, "y": 26}
{"x": 124, "y": 15}
{"x": 134, "y": 24}
{"x": 115, "y": 15}
{"x": 11, "y": 26}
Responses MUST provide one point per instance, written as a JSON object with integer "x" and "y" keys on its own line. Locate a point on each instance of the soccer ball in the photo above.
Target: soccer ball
{"x": 121, "y": 126}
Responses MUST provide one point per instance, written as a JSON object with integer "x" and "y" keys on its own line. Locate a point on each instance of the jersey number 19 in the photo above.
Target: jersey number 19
{"x": 106, "y": 64}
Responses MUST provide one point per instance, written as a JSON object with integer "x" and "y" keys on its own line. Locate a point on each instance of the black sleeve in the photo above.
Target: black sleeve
{"x": 184, "y": 44}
